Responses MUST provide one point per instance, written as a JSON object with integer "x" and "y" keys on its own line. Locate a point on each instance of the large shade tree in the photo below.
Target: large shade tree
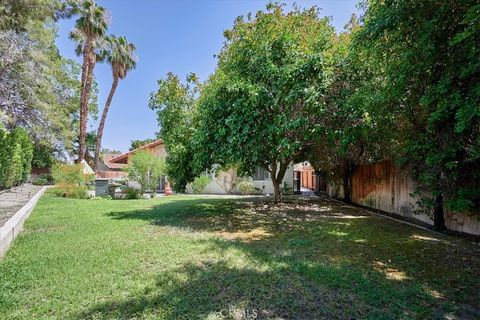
{"x": 39, "y": 89}
{"x": 348, "y": 132}
{"x": 427, "y": 55}
{"x": 18, "y": 15}
{"x": 121, "y": 57}
{"x": 89, "y": 33}
{"x": 258, "y": 108}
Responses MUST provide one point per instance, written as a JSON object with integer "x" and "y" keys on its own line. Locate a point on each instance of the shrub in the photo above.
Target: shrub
{"x": 16, "y": 151}
{"x": 67, "y": 173}
{"x": 146, "y": 169}
{"x": 132, "y": 193}
{"x": 43, "y": 155}
{"x": 27, "y": 154}
{"x": 70, "y": 191}
{"x": 42, "y": 180}
{"x": 245, "y": 187}
{"x": 70, "y": 181}
{"x": 200, "y": 183}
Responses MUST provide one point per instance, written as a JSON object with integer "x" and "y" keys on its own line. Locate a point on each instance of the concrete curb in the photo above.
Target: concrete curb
{"x": 10, "y": 230}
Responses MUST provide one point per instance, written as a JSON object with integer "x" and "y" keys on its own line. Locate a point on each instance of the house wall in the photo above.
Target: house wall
{"x": 387, "y": 187}
{"x": 102, "y": 167}
{"x": 307, "y": 175}
{"x": 267, "y": 187}
{"x": 223, "y": 182}
{"x": 159, "y": 151}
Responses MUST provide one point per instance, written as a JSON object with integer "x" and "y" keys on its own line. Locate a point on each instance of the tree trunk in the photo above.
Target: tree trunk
{"x": 277, "y": 192}
{"x": 89, "y": 80}
{"x": 277, "y": 180}
{"x": 101, "y": 126}
{"x": 438, "y": 217}
{"x": 83, "y": 115}
{"x": 347, "y": 181}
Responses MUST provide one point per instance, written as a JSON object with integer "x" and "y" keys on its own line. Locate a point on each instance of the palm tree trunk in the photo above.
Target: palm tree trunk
{"x": 85, "y": 106}
{"x": 101, "y": 126}
{"x": 83, "y": 102}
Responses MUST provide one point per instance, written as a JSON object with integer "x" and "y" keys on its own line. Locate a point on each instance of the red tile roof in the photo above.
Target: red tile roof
{"x": 123, "y": 158}
{"x": 111, "y": 174}
{"x": 107, "y": 158}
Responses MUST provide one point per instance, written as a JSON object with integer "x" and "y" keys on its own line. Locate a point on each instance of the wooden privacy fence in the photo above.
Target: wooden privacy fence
{"x": 386, "y": 187}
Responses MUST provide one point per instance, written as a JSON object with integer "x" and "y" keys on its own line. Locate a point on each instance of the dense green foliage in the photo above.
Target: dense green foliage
{"x": 18, "y": 14}
{"x": 200, "y": 183}
{"x": 258, "y": 108}
{"x": 175, "y": 106}
{"x": 39, "y": 89}
{"x": 245, "y": 187}
{"x": 146, "y": 169}
{"x": 16, "y": 152}
{"x": 426, "y": 55}
{"x": 43, "y": 155}
{"x": 26, "y": 147}
{"x": 349, "y": 133}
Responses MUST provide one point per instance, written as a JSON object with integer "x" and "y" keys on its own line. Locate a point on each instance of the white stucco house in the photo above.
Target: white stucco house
{"x": 222, "y": 182}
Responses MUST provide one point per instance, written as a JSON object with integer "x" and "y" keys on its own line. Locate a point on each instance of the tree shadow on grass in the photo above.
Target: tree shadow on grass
{"x": 312, "y": 259}
{"x": 209, "y": 290}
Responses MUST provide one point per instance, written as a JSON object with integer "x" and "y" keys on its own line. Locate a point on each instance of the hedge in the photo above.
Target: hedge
{"x": 16, "y": 152}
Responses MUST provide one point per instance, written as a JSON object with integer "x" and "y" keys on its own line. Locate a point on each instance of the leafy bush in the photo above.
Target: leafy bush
{"x": 70, "y": 182}
{"x": 146, "y": 169}
{"x": 42, "y": 180}
{"x": 43, "y": 155}
{"x": 200, "y": 183}
{"x": 245, "y": 187}
{"x": 70, "y": 174}
{"x": 132, "y": 193}
{"x": 70, "y": 191}
{"x": 27, "y": 154}
{"x": 16, "y": 151}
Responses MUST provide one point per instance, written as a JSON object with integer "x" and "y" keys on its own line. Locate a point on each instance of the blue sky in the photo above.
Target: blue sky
{"x": 179, "y": 36}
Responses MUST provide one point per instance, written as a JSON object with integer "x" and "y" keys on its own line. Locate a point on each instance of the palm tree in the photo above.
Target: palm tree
{"x": 121, "y": 58}
{"x": 89, "y": 32}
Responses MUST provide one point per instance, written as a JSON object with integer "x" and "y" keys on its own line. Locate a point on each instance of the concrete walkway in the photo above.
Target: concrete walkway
{"x": 307, "y": 192}
{"x": 14, "y": 199}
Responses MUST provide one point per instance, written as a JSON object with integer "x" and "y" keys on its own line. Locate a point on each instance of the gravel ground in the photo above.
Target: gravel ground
{"x": 13, "y": 199}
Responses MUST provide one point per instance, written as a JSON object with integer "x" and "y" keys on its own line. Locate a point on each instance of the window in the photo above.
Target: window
{"x": 261, "y": 174}
{"x": 161, "y": 184}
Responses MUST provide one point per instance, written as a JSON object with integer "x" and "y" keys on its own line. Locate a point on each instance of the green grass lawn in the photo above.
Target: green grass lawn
{"x": 186, "y": 257}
